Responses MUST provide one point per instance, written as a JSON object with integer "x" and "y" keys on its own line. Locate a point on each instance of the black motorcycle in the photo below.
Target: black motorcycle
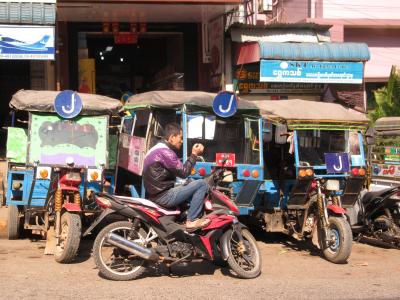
{"x": 378, "y": 218}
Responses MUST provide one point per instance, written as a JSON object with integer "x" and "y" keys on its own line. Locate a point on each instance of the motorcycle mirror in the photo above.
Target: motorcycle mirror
{"x": 370, "y": 136}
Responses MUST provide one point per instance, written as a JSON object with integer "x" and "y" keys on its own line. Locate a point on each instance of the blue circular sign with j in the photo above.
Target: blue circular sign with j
{"x": 225, "y": 104}
{"x": 68, "y": 104}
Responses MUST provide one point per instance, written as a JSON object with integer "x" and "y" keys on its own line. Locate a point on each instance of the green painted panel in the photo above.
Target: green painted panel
{"x": 17, "y": 143}
{"x": 53, "y": 140}
{"x": 112, "y": 151}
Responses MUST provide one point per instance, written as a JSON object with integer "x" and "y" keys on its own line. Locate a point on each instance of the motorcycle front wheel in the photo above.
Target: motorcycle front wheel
{"x": 115, "y": 263}
{"x": 244, "y": 258}
{"x": 341, "y": 238}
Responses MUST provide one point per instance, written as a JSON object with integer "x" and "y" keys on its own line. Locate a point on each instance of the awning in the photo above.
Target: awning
{"x": 252, "y": 52}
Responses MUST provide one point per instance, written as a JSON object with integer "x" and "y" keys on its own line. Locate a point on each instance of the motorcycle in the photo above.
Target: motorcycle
{"x": 379, "y": 218}
{"x": 153, "y": 234}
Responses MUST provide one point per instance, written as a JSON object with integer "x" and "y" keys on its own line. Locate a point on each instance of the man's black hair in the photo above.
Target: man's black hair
{"x": 171, "y": 129}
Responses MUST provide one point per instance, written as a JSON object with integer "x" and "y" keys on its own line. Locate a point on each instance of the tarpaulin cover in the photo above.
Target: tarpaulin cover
{"x": 177, "y": 99}
{"x": 298, "y": 109}
{"x": 43, "y": 101}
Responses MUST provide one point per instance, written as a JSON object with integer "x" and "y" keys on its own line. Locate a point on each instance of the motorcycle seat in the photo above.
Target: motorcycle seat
{"x": 148, "y": 203}
{"x": 369, "y": 196}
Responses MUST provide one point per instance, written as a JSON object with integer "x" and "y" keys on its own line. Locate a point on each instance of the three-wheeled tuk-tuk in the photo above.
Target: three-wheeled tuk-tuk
{"x": 376, "y": 216}
{"x": 314, "y": 168}
{"x": 232, "y": 142}
{"x": 60, "y": 155}
{"x": 385, "y": 154}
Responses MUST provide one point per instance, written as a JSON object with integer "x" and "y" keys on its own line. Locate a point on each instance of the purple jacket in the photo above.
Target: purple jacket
{"x": 161, "y": 167}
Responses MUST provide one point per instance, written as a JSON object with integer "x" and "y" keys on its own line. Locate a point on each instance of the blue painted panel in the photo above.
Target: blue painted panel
{"x": 271, "y": 195}
{"x": 241, "y": 168}
{"x": 18, "y": 196}
{"x": 245, "y": 211}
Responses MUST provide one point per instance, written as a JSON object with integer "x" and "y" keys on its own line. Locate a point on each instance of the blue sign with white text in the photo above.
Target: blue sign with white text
{"x": 225, "y": 104}
{"x": 337, "y": 162}
{"x": 311, "y": 71}
{"x": 68, "y": 104}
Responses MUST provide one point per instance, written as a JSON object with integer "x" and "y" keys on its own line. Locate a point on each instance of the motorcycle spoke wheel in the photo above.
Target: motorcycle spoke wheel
{"x": 244, "y": 257}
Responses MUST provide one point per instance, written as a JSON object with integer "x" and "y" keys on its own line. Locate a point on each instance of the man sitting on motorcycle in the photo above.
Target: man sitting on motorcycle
{"x": 160, "y": 170}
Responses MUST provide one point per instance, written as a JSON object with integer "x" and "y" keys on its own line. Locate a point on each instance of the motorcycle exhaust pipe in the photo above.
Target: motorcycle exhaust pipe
{"x": 132, "y": 247}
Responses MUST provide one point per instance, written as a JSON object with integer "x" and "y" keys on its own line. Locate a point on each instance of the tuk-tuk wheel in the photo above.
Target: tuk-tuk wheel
{"x": 70, "y": 237}
{"x": 13, "y": 222}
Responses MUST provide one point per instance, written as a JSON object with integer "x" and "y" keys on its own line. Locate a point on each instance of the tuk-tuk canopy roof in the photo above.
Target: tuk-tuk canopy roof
{"x": 43, "y": 101}
{"x": 177, "y": 99}
{"x": 387, "y": 123}
{"x": 298, "y": 111}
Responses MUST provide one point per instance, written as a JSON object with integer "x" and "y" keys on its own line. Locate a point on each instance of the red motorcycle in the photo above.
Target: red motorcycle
{"x": 150, "y": 233}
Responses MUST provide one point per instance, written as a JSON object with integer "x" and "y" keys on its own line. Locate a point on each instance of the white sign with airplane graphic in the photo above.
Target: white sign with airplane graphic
{"x": 27, "y": 42}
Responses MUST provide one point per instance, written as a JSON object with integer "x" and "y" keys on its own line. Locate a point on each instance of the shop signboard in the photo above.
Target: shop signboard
{"x": 248, "y": 82}
{"x": 392, "y": 154}
{"x": 26, "y": 42}
{"x": 311, "y": 71}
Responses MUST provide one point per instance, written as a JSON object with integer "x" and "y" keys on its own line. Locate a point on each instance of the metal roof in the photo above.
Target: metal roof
{"x": 315, "y": 51}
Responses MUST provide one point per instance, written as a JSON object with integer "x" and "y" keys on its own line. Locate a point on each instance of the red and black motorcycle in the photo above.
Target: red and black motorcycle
{"x": 152, "y": 234}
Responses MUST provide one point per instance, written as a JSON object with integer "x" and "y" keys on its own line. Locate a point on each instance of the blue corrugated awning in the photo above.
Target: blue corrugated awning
{"x": 315, "y": 51}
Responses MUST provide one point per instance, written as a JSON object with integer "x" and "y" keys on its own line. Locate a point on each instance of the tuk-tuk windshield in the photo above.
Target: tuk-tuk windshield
{"x": 313, "y": 144}
{"x": 238, "y": 135}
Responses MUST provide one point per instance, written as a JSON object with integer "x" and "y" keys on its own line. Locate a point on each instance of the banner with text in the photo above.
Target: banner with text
{"x": 311, "y": 71}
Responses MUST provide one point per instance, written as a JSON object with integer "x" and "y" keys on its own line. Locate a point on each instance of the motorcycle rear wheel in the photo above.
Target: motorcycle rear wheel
{"x": 122, "y": 265}
{"x": 340, "y": 250}
{"x": 245, "y": 265}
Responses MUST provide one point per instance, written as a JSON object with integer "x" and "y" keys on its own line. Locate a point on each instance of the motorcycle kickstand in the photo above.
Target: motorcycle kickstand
{"x": 176, "y": 262}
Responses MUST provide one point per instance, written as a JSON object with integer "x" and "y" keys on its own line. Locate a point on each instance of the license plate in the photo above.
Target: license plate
{"x": 73, "y": 176}
{"x": 225, "y": 159}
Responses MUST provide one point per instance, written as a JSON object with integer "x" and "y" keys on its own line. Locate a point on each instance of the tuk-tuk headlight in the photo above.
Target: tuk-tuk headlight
{"x": 94, "y": 175}
{"x": 43, "y": 172}
{"x": 309, "y": 172}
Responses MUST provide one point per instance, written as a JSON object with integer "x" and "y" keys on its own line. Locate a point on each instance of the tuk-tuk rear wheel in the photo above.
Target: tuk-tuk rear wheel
{"x": 70, "y": 237}
{"x": 14, "y": 222}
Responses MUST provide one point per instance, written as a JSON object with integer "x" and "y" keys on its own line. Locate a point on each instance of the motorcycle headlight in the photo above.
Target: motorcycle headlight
{"x": 43, "y": 172}
{"x": 94, "y": 175}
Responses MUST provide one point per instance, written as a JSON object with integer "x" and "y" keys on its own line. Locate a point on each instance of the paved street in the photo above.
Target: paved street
{"x": 290, "y": 271}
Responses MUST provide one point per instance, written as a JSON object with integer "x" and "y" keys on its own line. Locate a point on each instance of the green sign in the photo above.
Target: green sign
{"x": 17, "y": 143}
{"x": 53, "y": 140}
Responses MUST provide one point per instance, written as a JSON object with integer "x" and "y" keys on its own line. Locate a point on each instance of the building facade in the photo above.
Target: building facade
{"x": 375, "y": 23}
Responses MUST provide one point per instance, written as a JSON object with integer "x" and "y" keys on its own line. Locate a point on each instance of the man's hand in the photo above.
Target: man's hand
{"x": 197, "y": 149}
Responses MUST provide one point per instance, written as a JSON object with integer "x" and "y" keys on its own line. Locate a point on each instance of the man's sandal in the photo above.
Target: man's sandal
{"x": 197, "y": 224}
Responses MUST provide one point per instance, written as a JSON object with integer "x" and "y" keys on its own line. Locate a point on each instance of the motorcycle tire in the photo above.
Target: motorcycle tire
{"x": 340, "y": 251}
{"x": 105, "y": 270}
{"x": 255, "y": 255}
{"x": 71, "y": 228}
